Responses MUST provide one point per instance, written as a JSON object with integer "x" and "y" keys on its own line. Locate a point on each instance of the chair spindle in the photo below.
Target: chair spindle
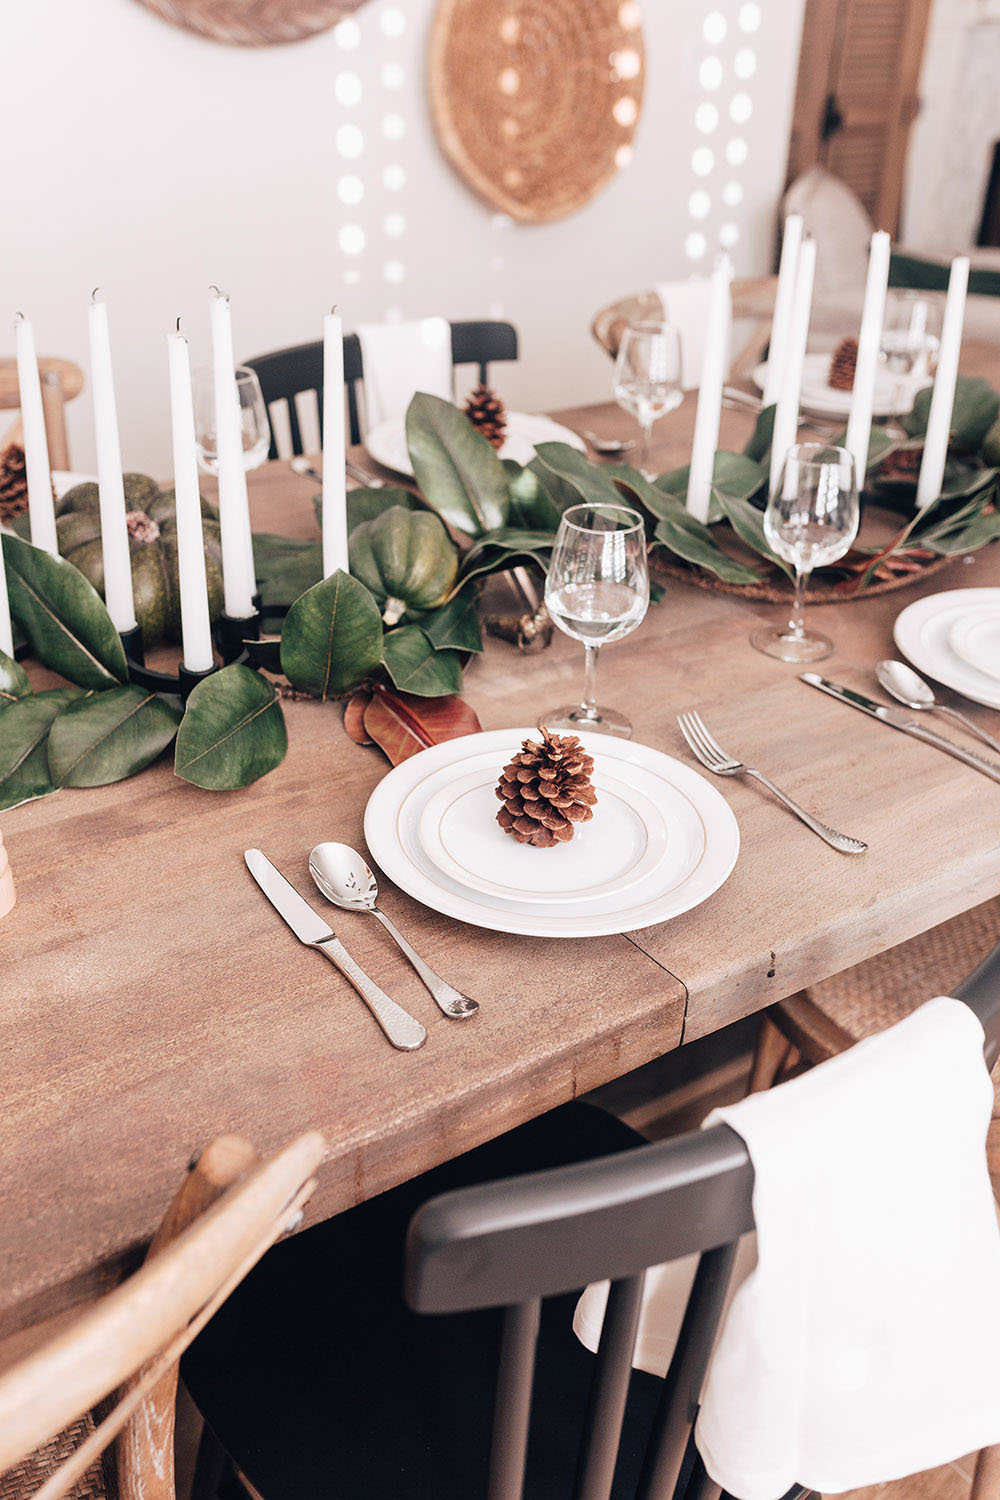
{"x": 609, "y": 1391}
{"x": 512, "y": 1411}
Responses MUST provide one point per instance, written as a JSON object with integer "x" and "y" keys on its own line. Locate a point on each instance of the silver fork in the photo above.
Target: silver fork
{"x": 712, "y": 756}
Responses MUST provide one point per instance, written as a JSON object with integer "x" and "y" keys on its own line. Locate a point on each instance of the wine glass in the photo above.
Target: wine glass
{"x": 648, "y": 377}
{"x": 597, "y": 591}
{"x": 256, "y": 429}
{"x": 811, "y": 520}
{"x": 911, "y": 336}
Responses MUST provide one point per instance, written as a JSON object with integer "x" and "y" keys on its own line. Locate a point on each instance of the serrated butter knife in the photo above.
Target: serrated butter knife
{"x": 898, "y": 718}
{"x": 402, "y": 1029}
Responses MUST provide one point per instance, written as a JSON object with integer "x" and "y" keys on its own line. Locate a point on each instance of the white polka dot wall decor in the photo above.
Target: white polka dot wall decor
{"x": 254, "y": 23}
{"x": 536, "y": 102}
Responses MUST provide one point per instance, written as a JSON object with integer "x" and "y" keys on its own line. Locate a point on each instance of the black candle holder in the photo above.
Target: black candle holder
{"x": 229, "y": 634}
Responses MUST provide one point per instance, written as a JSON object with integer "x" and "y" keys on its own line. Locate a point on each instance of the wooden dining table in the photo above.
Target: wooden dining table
{"x": 151, "y": 999}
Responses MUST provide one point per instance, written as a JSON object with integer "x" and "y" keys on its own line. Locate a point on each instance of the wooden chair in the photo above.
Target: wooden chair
{"x": 61, "y": 380}
{"x": 288, "y": 373}
{"x": 227, "y": 1213}
{"x": 317, "y": 1379}
{"x": 753, "y": 301}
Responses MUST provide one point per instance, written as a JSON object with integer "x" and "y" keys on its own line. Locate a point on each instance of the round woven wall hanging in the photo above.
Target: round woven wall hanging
{"x": 535, "y": 102}
{"x": 254, "y": 23}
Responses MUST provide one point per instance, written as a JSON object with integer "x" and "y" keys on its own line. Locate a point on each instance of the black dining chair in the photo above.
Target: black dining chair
{"x": 287, "y": 372}
{"x": 316, "y": 1378}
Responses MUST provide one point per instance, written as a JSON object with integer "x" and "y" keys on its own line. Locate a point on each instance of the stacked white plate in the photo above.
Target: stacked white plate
{"x": 662, "y": 839}
{"x": 955, "y": 638}
{"x": 821, "y": 398}
{"x": 386, "y": 443}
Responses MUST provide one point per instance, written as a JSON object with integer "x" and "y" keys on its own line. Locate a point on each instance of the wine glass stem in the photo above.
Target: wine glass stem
{"x": 588, "y": 706}
{"x": 796, "y": 625}
{"x": 647, "y": 438}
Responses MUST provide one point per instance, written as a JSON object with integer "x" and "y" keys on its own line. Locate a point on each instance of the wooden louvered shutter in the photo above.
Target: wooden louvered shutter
{"x": 857, "y": 95}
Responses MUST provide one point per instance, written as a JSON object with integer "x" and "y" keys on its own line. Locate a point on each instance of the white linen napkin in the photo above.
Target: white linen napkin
{"x": 685, "y": 305}
{"x": 399, "y": 359}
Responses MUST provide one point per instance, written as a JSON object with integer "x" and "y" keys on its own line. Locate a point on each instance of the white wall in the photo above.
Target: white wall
{"x": 151, "y": 162}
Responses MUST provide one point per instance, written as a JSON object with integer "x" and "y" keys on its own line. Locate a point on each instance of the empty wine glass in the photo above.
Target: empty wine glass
{"x": 648, "y": 377}
{"x": 911, "y": 335}
{"x": 256, "y": 429}
{"x": 597, "y": 591}
{"x": 811, "y": 520}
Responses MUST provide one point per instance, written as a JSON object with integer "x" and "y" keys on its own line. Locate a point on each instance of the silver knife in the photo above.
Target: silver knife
{"x": 402, "y": 1029}
{"x": 898, "y": 718}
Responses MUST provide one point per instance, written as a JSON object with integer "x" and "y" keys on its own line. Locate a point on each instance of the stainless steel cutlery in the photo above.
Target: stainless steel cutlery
{"x": 910, "y": 689}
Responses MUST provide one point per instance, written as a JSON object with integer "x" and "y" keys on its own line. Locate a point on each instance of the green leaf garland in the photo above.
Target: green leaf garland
{"x": 233, "y": 731}
{"x": 332, "y": 637}
{"x": 63, "y": 615}
{"x": 415, "y": 666}
{"x": 458, "y": 472}
{"x": 106, "y": 737}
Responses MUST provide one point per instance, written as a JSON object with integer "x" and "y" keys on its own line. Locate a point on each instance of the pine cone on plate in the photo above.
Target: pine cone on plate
{"x": 843, "y": 365}
{"x": 488, "y": 415}
{"x": 546, "y": 790}
{"x": 13, "y": 483}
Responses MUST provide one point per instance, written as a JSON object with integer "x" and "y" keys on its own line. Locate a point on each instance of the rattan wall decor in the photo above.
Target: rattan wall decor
{"x": 254, "y": 23}
{"x": 535, "y": 102}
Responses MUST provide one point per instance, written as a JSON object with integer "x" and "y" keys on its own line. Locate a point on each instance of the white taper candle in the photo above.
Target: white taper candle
{"x": 713, "y": 374}
{"x": 943, "y": 396}
{"x": 786, "y": 416}
{"x": 114, "y": 529}
{"x": 234, "y": 511}
{"x": 859, "y": 423}
{"x": 781, "y": 323}
{"x": 41, "y": 510}
{"x": 196, "y": 631}
{"x": 334, "y": 452}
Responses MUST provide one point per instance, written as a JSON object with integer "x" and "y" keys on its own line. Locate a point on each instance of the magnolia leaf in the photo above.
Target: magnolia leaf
{"x": 416, "y": 667}
{"x": 880, "y": 444}
{"x": 748, "y": 523}
{"x": 402, "y": 725}
{"x": 759, "y": 443}
{"x": 560, "y": 492}
{"x": 354, "y": 717}
{"x": 455, "y": 626}
{"x": 733, "y": 474}
{"x": 687, "y": 538}
{"x": 365, "y": 503}
{"x": 108, "y": 736}
{"x": 24, "y": 728}
{"x": 64, "y": 616}
{"x": 495, "y": 559}
{"x": 966, "y": 538}
{"x": 973, "y": 413}
{"x": 532, "y": 507}
{"x": 14, "y": 682}
{"x": 233, "y": 731}
{"x": 459, "y": 473}
{"x": 332, "y": 637}
{"x": 513, "y": 540}
{"x": 593, "y": 485}
{"x": 286, "y": 567}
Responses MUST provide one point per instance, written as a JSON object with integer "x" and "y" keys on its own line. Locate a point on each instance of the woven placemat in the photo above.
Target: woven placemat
{"x": 535, "y": 102}
{"x": 253, "y": 23}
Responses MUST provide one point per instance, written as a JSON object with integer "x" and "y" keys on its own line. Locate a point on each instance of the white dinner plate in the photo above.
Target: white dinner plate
{"x": 922, "y": 632}
{"x": 625, "y": 841}
{"x": 700, "y": 847}
{"x": 975, "y": 637}
{"x": 825, "y": 400}
{"x": 386, "y": 443}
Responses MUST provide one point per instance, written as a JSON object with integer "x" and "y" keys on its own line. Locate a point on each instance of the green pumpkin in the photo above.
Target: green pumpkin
{"x": 407, "y": 560}
{"x": 152, "y": 551}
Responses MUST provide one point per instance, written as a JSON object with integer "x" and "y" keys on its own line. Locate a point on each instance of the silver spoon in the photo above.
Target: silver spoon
{"x": 608, "y": 446}
{"x": 910, "y": 688}
{"x": 343, "y": 878}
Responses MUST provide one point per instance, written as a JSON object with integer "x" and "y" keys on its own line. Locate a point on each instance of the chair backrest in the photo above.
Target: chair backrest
{"x": 131, "y": 1340}
{"x": 61, "y": 380}
{"x": 288, "y": 373}
{"x": 510, "y": 1244}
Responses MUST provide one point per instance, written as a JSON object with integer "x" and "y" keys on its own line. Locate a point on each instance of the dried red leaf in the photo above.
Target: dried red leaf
{"x": 401, "y": 724}
{"x": 354, "y": 717}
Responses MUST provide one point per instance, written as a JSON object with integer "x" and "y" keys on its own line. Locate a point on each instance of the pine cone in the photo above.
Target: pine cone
{"x": 843, "y": 364}
{"x": 487, "y": 414}
{"x": 13, "y": 483}
{"x": 546, "y": 790}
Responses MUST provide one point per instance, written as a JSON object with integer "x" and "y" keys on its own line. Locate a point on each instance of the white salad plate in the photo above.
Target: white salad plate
{"x": 386, "y": 443}
{"x": 975, "y": 637}
{"x": 923, "y": 634}
{"x": 825, "y": 400}
{"x": 661, "y": 841}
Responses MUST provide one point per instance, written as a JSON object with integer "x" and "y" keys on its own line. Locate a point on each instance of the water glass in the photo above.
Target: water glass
{"x": 256, "y": 428}
{"x": 911, "y": 335}
{"x": 811, "y": 520}
{"x": 597, "y": 591}
{"x": 648, "y": 377}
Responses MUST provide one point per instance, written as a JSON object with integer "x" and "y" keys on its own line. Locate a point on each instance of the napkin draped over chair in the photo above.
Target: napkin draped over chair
{"x": 399, "y": 359}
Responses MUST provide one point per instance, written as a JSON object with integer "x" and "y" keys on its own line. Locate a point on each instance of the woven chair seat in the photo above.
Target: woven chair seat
{"x": 22, "y": 1481}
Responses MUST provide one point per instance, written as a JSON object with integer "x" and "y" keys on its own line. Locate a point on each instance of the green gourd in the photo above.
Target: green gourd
{"x": 152, "y": 527}
{"x": 407, "y": 560}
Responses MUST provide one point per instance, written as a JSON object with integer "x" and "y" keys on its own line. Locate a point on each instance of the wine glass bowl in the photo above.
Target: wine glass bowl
{"x": 647, "y": 380}
{"x": 597, "y": 591}
{"x": 254, "y": 424}
{"x": 911, "y": 336}
{"x": 811, "y": 519}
